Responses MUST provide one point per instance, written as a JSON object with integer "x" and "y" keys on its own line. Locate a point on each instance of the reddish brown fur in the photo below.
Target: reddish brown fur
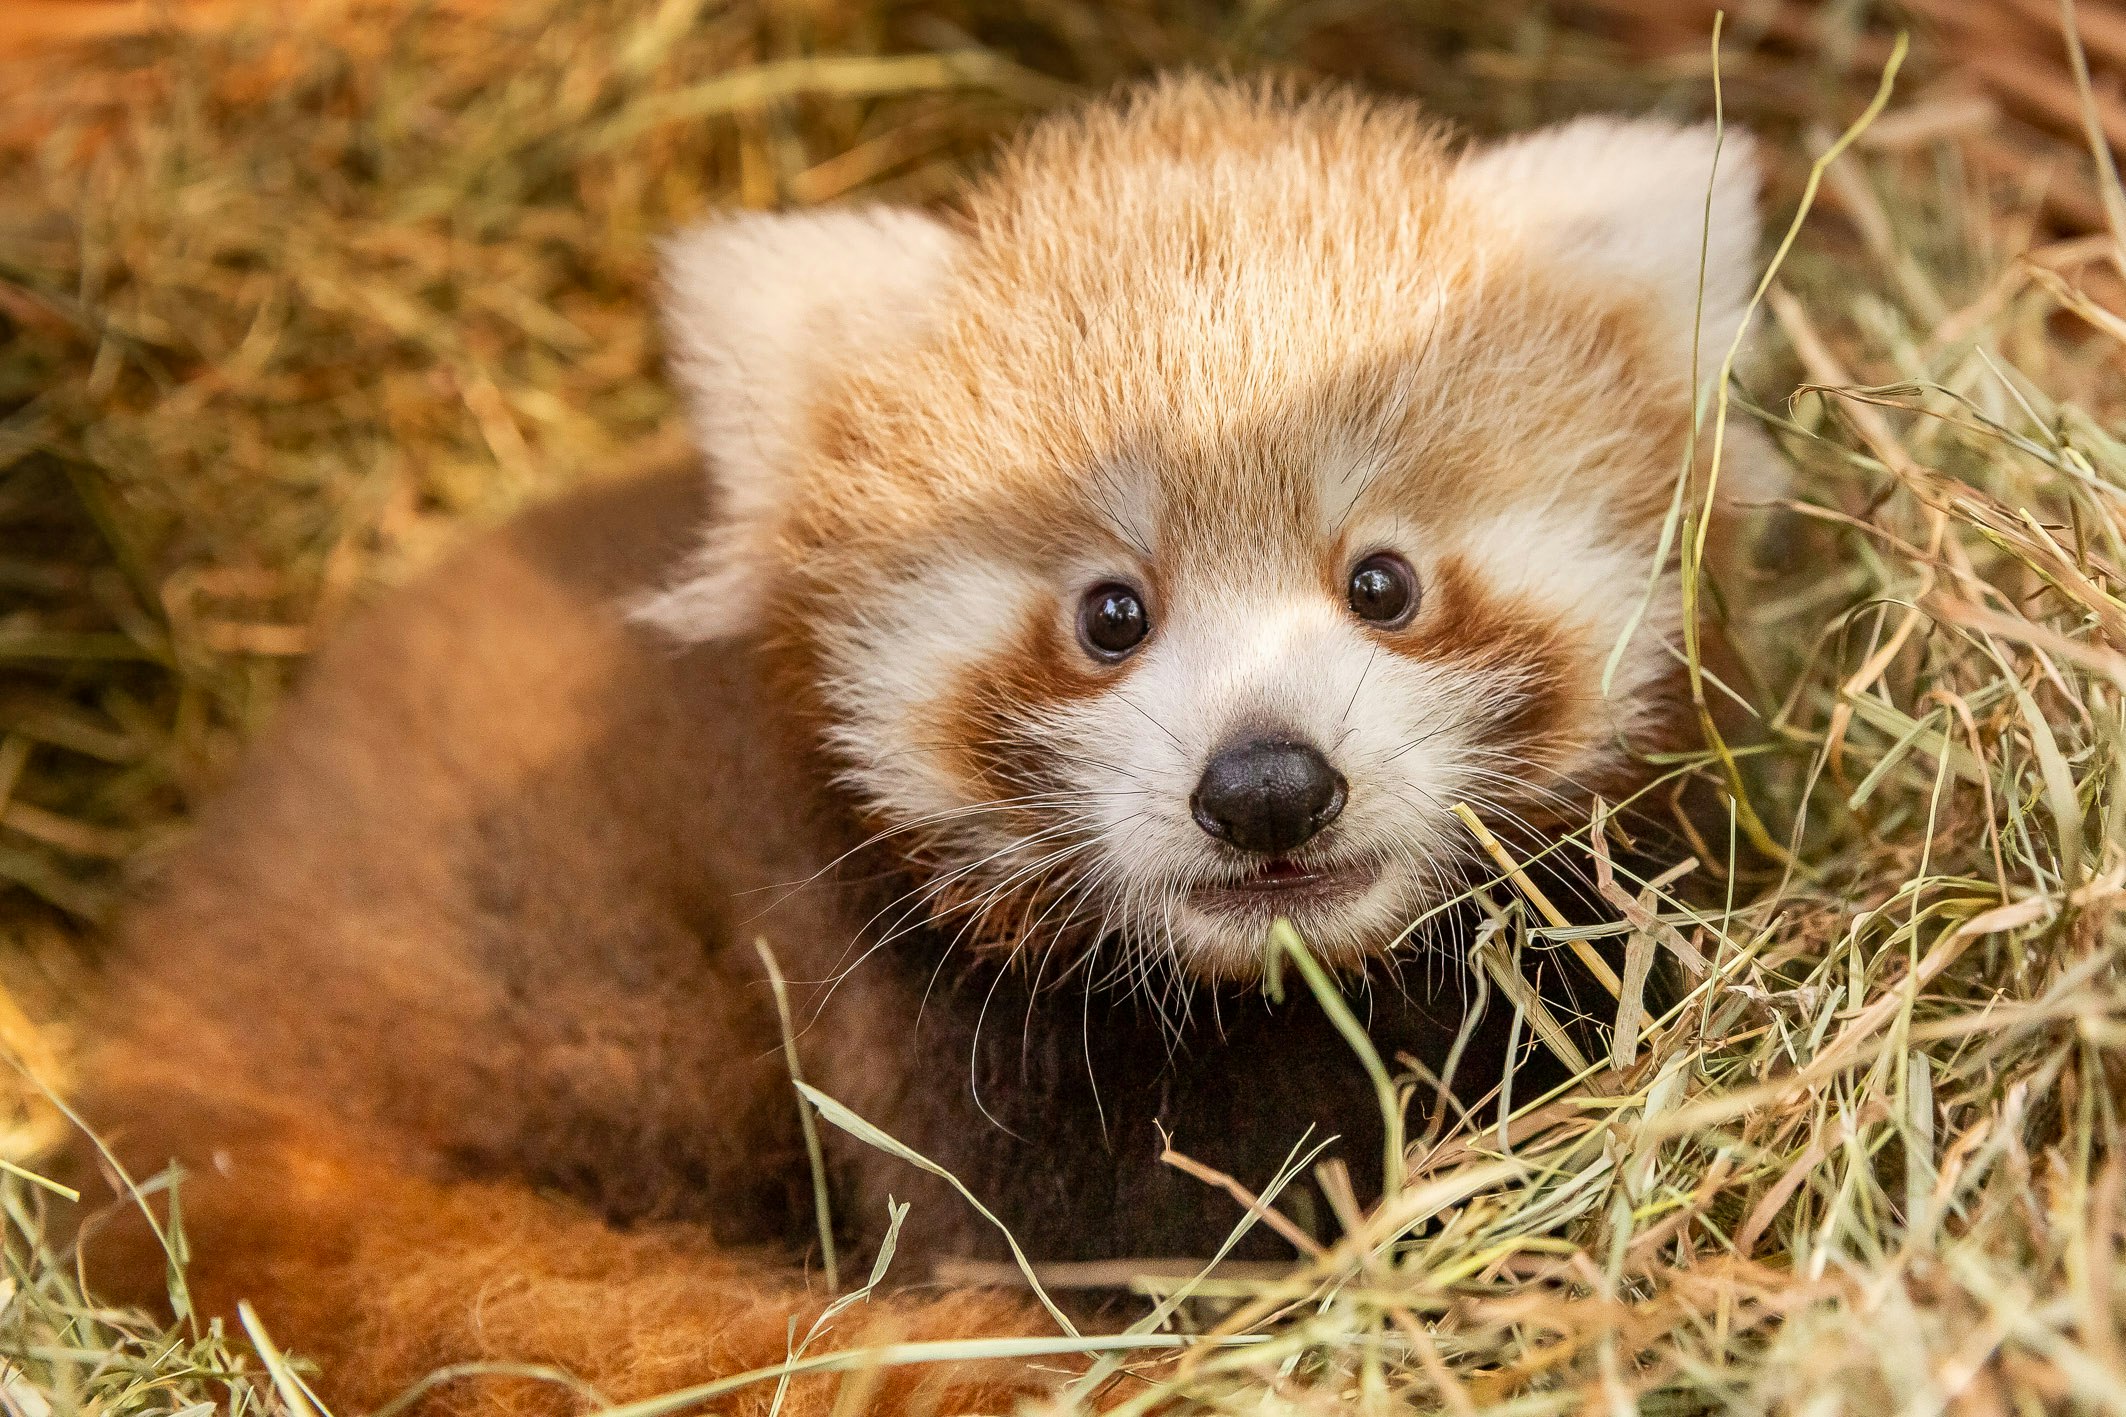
{"x": 382, "y": 1276}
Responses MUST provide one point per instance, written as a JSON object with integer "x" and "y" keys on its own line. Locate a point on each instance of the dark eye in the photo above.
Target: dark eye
{"x": 1111, "y": 620}
{"x": 1384, "y": 590}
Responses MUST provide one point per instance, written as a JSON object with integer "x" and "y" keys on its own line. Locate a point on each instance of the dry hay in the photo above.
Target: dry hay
{"x": 284, "y": 312}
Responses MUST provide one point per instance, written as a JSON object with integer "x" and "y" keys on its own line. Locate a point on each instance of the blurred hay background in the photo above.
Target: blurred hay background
{"x": 291, "y": 298}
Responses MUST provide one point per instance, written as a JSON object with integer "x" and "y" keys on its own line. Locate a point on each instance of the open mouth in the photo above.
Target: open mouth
{"x": 1282, "y": 885}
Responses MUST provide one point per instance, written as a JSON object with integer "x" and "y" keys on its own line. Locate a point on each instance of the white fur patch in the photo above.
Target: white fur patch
{"x": 891, "y": 666}
{"x": 761, "y": 312}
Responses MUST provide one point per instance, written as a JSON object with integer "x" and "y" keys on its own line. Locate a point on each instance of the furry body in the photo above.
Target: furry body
{"x": 452, "y": 1007}
{"x": 418, "y": 1141}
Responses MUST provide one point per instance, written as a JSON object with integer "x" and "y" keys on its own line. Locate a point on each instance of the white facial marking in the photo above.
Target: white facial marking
{"x": 894, "y": 662}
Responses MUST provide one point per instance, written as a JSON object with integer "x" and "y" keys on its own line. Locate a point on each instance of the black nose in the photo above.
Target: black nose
{"x": 1268, "y": 795}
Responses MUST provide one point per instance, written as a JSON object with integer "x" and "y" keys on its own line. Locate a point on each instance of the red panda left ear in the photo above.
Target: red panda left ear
{"x": 761, "y": 314}
{"x": 1637, "y": 201}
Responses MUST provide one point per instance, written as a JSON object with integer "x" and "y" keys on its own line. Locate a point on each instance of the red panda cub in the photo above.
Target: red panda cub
{"x": 1159, "y": 543}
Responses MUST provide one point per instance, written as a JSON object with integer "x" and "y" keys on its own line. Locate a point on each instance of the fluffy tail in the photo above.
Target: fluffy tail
{"x": 383, "y": 1277}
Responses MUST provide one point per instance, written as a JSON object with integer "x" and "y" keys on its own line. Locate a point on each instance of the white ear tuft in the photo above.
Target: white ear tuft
{"x": 1628, "y": 199}
{"x": 761, "y": 312}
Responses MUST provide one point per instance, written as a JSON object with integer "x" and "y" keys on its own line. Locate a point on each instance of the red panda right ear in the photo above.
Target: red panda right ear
{"x": 761, "y": 312}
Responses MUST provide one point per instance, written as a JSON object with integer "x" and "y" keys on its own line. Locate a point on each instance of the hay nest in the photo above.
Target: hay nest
{"x": 283, "y": 310}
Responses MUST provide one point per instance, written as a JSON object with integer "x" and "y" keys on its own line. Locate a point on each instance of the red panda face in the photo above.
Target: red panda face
{"x": 1242, "y": 486}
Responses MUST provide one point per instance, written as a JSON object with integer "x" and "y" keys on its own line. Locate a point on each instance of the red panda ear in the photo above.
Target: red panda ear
{"x": 1626, "y": 200}
{"x": 760, "y": 313}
